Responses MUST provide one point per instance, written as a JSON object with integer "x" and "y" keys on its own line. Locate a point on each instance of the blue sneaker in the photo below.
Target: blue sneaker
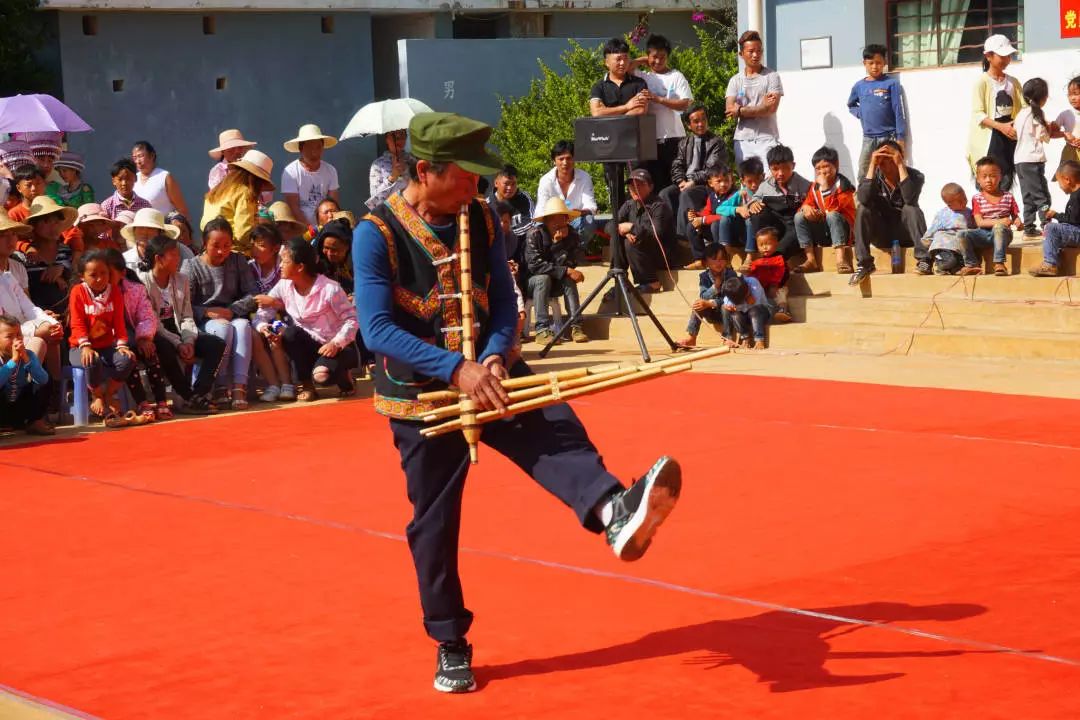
{"x": 640, "y": 509}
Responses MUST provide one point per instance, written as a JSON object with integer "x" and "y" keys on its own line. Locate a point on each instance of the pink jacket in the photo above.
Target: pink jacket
{"x": 325, "y": 313}
{"x": 138, "y": 311}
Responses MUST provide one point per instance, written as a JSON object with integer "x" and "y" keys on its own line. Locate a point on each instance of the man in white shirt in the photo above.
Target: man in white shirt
{"x": 308, "y": 181}
{"x": 670, "y": 95}
{"x": 574, "y": 186}
{"x": 752, "y": 98}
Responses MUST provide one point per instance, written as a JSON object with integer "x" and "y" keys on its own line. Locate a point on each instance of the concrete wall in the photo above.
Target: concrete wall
{"x": 1042, "y": 27}
{"x": 840, "y": 19}
{"x": 479, "y": 71}
{"x": 280, "y": 71}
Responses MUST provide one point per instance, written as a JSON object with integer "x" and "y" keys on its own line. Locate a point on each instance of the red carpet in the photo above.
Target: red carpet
{"x": 202, "y": 571}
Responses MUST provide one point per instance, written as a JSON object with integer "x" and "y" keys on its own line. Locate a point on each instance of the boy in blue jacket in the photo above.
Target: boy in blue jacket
{"x": 878, "y": 101}
{"x": 24, "y": 383}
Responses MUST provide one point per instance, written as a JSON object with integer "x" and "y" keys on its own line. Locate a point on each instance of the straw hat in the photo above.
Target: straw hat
{"x": 556, "y": 206}
{"x": 149, "y": 218}
{"x": 282, "y": 213}
{"x": 345, "y": 215}
{"x": 229, "y": 139}
{"x": 71, "y": 160}
{"x": 125, "y": 217}
{"x": 310, "y": 132}
{"x": 6, "y": 223}
{"x": 258, "y": 164}
{"x": 15, "y": 154}
{"x": 44, "y": 205}
{"x": 91, "y": 212}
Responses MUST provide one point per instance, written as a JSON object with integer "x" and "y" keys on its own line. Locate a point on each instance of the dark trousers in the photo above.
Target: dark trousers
{"x": 108, "y": 365}
{"x": 683, "y": 201}
{"x": 1035, "y": 193}
{"x": 660, "y": 168}
{"x": 209, "y": 349}
{"x": 754, "y": 320}
{"x": 615, "y": 177}
{"x": 879, "y": 224}
{"x": 784, "y": 224}
{"x": 28, "y": 406}
{"x": 549, "y": 444}
{"x": 153, "y": 367}
{"x": 303, "y": 350}
{"x": 643, "y": 258}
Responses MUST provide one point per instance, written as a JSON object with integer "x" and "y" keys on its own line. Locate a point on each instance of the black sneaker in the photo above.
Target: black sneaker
{"x": 860, "y": 274}
{"x": 640, "y": 509}
{"x": 922, "y": 268}
{"x": 453, "y": 668}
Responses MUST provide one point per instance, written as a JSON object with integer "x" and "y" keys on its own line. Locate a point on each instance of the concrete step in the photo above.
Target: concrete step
{"x": 854, "y": 337}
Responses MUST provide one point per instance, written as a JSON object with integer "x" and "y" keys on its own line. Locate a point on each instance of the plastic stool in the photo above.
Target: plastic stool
{"x": 553, "y": 308}
{"x": 80, "y": 406}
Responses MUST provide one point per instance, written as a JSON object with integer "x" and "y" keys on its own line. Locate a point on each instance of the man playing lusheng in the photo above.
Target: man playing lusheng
{"x": 404, "y": 253}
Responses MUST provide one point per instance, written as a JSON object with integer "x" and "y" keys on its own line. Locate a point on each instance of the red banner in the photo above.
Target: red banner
{"x": 1070, "y": 18}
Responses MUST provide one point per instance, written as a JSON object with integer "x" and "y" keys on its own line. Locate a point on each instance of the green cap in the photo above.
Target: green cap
{"x": 449, "y": 137}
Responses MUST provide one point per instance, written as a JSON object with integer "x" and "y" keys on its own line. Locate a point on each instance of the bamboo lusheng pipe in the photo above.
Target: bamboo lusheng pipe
{"x": 537, "y": 391}
{"x": 545, "y": 378}
{"x": 468, "y": 424}
{"x": 552, "y": 399}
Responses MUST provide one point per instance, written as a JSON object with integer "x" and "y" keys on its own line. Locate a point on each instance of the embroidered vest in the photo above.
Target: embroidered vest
{"x": 426, "y": 277}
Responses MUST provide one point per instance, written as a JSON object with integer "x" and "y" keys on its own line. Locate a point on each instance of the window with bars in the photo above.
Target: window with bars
{"x": 935, "y": 33}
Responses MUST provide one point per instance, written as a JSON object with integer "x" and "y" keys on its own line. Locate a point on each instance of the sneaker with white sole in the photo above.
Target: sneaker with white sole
{"x": 453, "y": 668}
{"x": 288, "y": 392}
{"x": 270, "y": 394}
{"x": 639, "y": 510}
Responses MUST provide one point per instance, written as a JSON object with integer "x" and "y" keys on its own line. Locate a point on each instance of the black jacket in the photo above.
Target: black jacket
{"x": 906, "y": 193}
{"x": 715, "y": 155}
{"x": 660, "y": 214}
{"x": 543, "y": 256}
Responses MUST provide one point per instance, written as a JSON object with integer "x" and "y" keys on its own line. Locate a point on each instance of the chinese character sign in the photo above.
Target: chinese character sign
{"x": 448, "y": 90}
{"x": 1070, "y": 18}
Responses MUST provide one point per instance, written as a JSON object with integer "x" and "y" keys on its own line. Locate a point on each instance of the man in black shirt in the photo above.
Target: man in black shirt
{"x": 620, "y": 92}
{"x": 645, "y": 223}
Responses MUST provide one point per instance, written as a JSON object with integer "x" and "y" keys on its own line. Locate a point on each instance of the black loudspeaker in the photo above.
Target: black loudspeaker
{"x": 619, "y": 138}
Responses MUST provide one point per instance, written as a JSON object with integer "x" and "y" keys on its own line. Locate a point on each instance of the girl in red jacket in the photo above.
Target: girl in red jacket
{"x": 99, "y": 339}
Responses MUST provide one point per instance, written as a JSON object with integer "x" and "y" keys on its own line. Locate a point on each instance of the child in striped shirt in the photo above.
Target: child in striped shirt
{"x": 996, "y": 214}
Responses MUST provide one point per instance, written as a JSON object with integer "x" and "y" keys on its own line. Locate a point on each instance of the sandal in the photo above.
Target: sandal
{"x": 163, "y": 411}
{"x": 806, "y": 267}
{"x": 239, "y": 399}
{"x": 1000, "y": 270}
{"x": 133, "y": 418}
{"x": 844, "y": 268}
{"x": 200, "y": 405}
{"x": 147, "y": 413}
{"x": 115, "y": 420}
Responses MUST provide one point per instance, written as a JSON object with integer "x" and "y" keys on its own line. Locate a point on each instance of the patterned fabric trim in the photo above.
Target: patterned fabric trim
{"x": 406, "y": 409}
{"x": 391, "y": 247}
{"x": 447, "y": 273}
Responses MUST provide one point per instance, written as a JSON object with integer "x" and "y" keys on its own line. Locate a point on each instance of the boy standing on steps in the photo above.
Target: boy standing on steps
{"x": 878, "y": 101}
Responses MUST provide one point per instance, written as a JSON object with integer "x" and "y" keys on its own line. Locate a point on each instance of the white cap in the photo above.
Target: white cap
{"x": 999, "y": 45}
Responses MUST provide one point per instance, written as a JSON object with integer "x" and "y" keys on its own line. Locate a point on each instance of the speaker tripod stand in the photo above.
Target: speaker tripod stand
{"x": 625, "y": 297}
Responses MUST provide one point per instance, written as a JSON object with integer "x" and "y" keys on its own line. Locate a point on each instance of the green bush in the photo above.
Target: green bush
{"x": 530, "y": 125}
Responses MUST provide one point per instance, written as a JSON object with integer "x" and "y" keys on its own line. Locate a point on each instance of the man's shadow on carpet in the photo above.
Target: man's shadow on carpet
{"x": 786, "y": 650}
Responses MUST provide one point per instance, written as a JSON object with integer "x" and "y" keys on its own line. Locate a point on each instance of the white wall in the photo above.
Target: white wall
{"x": 814, "y": 112}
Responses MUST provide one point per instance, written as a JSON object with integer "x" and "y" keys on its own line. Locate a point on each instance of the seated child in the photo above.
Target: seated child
{"x": 708, "y": 305}
{"x": 827, "y": 214}
{"x": 24, "y": 384}
{"x": 772, "y": 272}
{"x": 141, "y": 323}
{"x": 1065, "y": 232}
{"x": 706, "y": 225}
{"x": 123, "y": 175}
{"x": 552, "y": 254}
{"x": 995, "y": 214}
{"x": 320, "y": 339}
{"x": 779, "y": 198}
{"x": 28, "y": 183}
{"x": 747, "y": 309}
{"x": 735, "y": 226}
{"x": 99, "y": 339}
{"x": 945, "y": 234}
{"x": 269, "y": 358}
{"x": 72, "y": 192}
{"x": 178, "y": 342}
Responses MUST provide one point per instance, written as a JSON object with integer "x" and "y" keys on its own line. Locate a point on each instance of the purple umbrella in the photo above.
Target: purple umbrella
{"x": 36, "y": 113}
